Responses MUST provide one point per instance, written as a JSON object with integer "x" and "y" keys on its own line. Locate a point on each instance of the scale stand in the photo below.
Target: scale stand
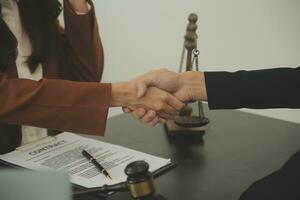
{"x": 188, "y": 123}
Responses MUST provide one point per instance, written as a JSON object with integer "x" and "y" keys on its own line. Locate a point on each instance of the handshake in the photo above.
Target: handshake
{"x": 159, "y": 95}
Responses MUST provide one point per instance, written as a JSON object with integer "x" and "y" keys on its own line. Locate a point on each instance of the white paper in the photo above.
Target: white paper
{"x": 64, "y": 153}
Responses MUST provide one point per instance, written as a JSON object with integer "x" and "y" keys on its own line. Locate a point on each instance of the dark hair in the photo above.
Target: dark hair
{"x": 8, "y": 47}
{"x": 39, "y": 19}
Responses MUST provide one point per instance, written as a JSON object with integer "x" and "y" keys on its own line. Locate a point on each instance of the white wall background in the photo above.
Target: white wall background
{"x": 141, "y": 35}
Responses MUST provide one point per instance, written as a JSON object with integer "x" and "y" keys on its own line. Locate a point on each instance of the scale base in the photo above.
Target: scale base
{"x": 175, "y": 131}
{"x": 191, "y": 121}
{"x": 127, "y": 196}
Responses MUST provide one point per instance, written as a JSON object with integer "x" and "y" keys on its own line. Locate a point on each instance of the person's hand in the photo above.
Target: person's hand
{"x": 80, "y": 6}
{"x": 169, "y": 82}
{"x": 161, "y": 102}
{"x": 164, "y": 79}
{"x": 149, "y": 117}
{"x": 187, "y": 86}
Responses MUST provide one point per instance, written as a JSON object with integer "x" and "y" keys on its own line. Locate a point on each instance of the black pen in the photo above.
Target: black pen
{"x": 96, "y": 163}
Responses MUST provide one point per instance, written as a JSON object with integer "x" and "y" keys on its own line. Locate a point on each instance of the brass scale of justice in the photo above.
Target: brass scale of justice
{"x": 189, "y": 124}
{"x": 140, "y": 181}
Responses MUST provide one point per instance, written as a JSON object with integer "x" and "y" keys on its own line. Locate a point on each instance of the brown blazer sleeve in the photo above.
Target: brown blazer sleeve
{"x": 55, "y": 104}
{"x": 83, "y": 49}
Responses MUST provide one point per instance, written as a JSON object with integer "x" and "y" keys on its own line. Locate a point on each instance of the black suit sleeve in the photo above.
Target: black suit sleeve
{"x": 269, "y": 88}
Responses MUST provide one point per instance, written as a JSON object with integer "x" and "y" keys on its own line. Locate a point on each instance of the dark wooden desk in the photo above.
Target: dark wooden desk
{"x": 238, "y": 149}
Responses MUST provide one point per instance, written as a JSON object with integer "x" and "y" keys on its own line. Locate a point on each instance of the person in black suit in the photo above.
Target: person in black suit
{"x": 258, "y": 89}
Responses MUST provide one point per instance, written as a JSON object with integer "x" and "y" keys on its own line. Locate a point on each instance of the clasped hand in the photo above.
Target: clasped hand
{"x": 158, "y": 103}
{"x": 159, "y": 95}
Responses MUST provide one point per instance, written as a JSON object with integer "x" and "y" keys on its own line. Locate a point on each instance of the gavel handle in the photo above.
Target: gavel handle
{"x": 120, "y": 187}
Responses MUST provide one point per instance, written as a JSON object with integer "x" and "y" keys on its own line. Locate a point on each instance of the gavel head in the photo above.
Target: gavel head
{"x": 140, "y": 180}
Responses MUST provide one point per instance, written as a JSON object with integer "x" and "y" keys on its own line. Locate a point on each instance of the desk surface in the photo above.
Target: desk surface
{"x": 238, "y": 149}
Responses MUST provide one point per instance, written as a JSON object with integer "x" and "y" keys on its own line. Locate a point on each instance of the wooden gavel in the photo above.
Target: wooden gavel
{"x": 139, "y": 183}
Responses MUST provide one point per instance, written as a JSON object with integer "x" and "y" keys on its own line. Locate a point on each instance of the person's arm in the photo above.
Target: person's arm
{"x": 269, "y": 88}
{"x": 79, "y": 107}
{"x": 84, "y": 58}
{"x": 55, "y": 104}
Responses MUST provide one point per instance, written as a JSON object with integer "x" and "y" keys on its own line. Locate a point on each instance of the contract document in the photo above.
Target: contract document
{"x": 63, "y": 152}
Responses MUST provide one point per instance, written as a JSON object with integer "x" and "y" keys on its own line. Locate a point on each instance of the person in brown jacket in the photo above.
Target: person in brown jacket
{"x": 49, "y": 76}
